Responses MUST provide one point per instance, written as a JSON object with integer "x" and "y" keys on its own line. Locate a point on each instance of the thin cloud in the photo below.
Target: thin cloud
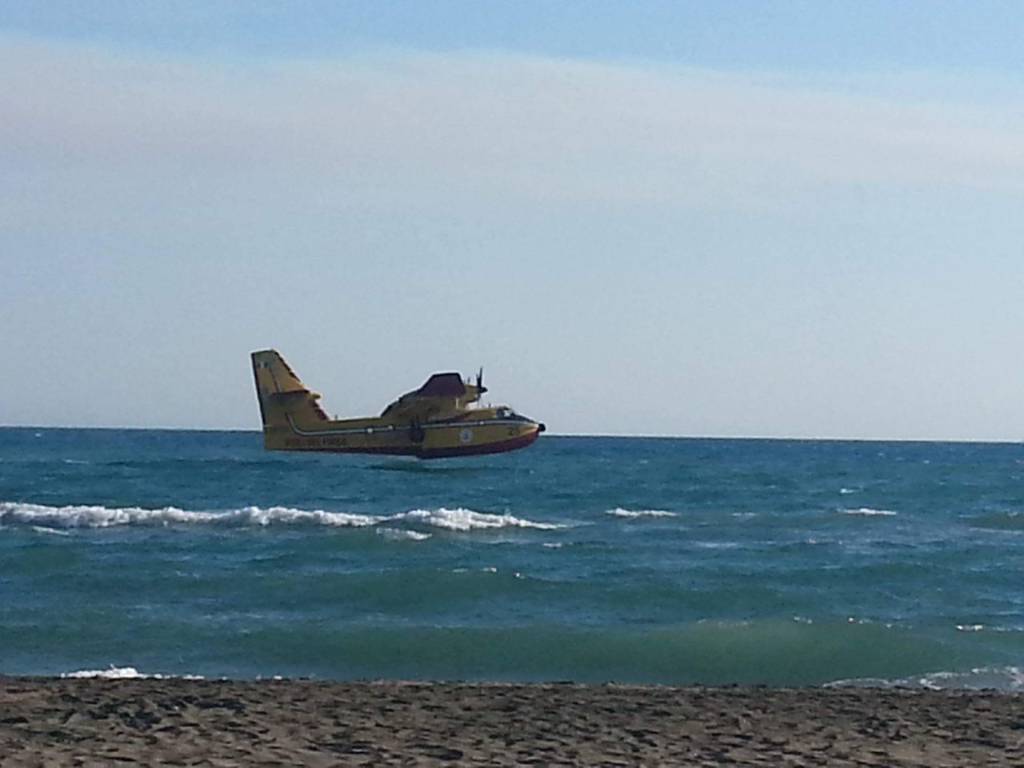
{"x": 395, "y": 127}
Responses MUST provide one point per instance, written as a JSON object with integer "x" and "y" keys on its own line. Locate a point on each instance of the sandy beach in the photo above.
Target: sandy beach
{"x": 57, "y": 722}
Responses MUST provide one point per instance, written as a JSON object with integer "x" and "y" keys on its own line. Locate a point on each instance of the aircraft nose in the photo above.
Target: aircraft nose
{"x": 541, "y": 427}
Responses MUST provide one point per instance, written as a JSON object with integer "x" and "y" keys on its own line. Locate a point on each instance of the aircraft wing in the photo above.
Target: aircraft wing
{"x": 442, "y": 385}
{"x": 438, "y": 395}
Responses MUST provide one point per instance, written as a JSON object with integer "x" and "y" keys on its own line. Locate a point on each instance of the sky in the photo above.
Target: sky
{"x": 764, "y": 219}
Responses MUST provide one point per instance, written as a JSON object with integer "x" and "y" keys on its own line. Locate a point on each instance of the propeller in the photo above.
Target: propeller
{"x": 480, "y": 381}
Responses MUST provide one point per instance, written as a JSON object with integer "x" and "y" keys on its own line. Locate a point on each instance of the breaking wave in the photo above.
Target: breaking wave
{"x": 635, "y": 513}
{"x": 89, "y": 516}
{"x": 466, "y": 520}
{"x": 399, "y": 534}
{"x": 869, "y": 512}
{"x": 124, "y": 673}
{"x": 39, "y": 516}
{"x": 976, "y": 679}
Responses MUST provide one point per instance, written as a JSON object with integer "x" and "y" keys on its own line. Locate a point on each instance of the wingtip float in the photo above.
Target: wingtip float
{"x": 441, "y": 419}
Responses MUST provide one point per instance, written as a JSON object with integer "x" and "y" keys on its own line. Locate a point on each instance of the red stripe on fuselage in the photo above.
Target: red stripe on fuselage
{"x": 483, "y": 448}
{"x": 480, "y": 449}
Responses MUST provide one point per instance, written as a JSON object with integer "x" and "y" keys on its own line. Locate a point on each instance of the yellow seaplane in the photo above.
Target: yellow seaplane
{"x": 442, "y": 418}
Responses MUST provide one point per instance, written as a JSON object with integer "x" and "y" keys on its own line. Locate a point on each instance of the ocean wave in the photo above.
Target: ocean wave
{"x": 635, "y": 513}
{"x": 55, "y": 519}
{"x": 258, "y": 516}
{"x": 869, "y": 512}
{"x": 88, "y": 516}
{"x": 98, "y": 516}
{"x": 975, "y": 679}
{"x": 124, "y": 673}
{"x": 398, "y": 534}
{"x": 461, "y": 519}
{"x": 716, "y": 545}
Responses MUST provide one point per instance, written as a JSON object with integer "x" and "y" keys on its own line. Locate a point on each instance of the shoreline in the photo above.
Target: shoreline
{"x": 154, "y": 721}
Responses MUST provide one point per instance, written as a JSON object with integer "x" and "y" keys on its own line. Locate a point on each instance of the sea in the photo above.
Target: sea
{"x": 587, "y": 559}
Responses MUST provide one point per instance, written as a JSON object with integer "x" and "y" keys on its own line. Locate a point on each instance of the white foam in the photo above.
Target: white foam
{"x": 111, "y": 673}
{"x": 970, "y": 627}
{"x": 258, "y": 516}
{"x": 124, "y": 673}
{"x": 84, "y": 516}
{"x": 58, "y": 519}
{"x": 399, "y": 534}
{"x": 847, "y": 491}
{"x": 635, "y": 513}
{"x": 978, "y": 678}
{"x": 868, "y": 511}
{"x": 461, "y": 519}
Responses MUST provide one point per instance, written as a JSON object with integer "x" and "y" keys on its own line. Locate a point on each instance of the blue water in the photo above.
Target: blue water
{"x": 586, "y": 559}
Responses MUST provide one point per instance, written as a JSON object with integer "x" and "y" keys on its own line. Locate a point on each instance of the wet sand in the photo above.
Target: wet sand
{"x": 53, "y": 722}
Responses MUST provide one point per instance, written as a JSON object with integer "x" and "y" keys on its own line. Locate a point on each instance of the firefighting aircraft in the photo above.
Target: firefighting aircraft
{"x": 434, "y": 421}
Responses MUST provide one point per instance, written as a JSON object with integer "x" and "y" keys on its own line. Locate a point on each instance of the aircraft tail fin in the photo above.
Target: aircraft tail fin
{"x": 284, "y": 400}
